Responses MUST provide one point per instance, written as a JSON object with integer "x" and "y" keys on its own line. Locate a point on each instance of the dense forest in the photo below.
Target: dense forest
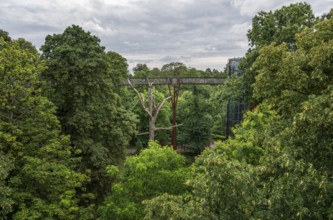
{"x": 65, "y": 125}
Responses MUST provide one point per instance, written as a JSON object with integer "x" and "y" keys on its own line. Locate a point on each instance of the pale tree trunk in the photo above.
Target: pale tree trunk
{"x": 152, "y": 110}
{"x": 151, "y": 129}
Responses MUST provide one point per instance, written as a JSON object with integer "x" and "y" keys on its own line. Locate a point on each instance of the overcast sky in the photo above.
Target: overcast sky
{"x": 199, "y": 33}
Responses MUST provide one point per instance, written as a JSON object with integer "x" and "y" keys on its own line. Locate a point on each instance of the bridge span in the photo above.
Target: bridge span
{"x": 174, "y": 81}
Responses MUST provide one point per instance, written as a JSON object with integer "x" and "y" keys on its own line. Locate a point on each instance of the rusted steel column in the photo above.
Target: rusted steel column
{"x": 151, "y": 119}
{"x": 174, "y": 123}
{"x": 174, "y": 100}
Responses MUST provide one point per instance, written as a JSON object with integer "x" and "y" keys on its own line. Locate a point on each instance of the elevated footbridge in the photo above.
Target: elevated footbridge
{"x": 174, "y": 87}
{"x": 173, "y": 81}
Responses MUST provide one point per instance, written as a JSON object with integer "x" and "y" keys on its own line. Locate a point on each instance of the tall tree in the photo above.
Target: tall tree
{"x": 141, "y": 71}
{"x": 42, "y": 178}
{"x": 151, "y": 109}
{"x": 6, "y": 199}
{"x": 298, "y": 84}
{"x": 81, "y": 78}
{"x": 6, "y": 164}
{"x": 156, "y": 170}
{"x": 273, "y": 185}
{"x": 279, "y": 164}
{"x": 197, "y": 121}
{"x": 279, "y": 26}
{"x": 5, "y": 35}
{"x": 174, "y": 69}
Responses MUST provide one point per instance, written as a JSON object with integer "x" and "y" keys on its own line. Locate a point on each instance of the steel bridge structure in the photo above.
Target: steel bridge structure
{"x": 174, "y": 84}
{"x": 175, "y": 81}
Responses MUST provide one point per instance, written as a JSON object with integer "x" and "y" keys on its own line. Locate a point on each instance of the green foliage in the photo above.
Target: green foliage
{"x": 141, "y": 71}
{"x": 5, "y": 35}
{"x": 311, "y": 132}
{"x": 39, "y": 181}
{"x": 219, "y": 112}
{"x": 279, "y": 67}
{"x": 81, "y": 80}
{"x": 295, "y": 74}
{"x": 221, "y": 189}
{"x": 239, "y": 88}
{"x": 6, "y": 200}
{"x": 298, "y": 85}
{"x": 196, "y": 119}
{"x": 278, "y": 165}
{"x": 174, "y": 69}
{"x": 168, "y": 206}
{"x": 248, "y": 142}
{"x": 224, "y": 189}
{"x": 281, "y": 25}
{"x": 277, "y": 186}
{"x": 156, "y": 170}
{"x": 163, "y": 119}
{"x": 46, "y": 185}
{"x": 229, "y": 91}
{"x": 117, "y": 66}
{"x": 292, "y": 189}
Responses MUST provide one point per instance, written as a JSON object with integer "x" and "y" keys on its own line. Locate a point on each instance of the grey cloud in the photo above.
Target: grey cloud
{"x": 200, "y": 32}
{"x": 136, "y": 61}
{"x": 169, "y": 59}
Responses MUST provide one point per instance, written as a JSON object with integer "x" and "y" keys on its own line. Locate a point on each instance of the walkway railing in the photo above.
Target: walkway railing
{"x": 174, "y": 81}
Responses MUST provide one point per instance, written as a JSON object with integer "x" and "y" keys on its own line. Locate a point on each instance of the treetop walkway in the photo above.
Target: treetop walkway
{"x": 174, "y": 81}
{"x": 174, "y": 87}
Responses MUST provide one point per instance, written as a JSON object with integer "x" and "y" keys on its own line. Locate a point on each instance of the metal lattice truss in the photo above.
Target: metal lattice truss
{"x": 174, "y": 81}
{"x": 174, "y": 86}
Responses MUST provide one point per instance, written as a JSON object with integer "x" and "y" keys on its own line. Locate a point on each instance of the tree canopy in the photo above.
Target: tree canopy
{"x": 81, "y": 80}
{"x": 38, "y": 173}
{"x": 156, "y": 170}
{"x": 65, "y": 124}
{"x": 278, "y": 164}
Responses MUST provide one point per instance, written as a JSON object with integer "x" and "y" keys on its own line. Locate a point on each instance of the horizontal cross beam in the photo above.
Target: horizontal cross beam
{"x": 174, "y": 81}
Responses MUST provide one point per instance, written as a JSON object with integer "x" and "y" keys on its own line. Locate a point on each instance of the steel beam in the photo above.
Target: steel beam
{"x": 175, "y": 81}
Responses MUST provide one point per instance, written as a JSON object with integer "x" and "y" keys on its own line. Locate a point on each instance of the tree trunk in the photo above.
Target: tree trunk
{"x": 152, "y": 110}
{"x": 151, "y": 129}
